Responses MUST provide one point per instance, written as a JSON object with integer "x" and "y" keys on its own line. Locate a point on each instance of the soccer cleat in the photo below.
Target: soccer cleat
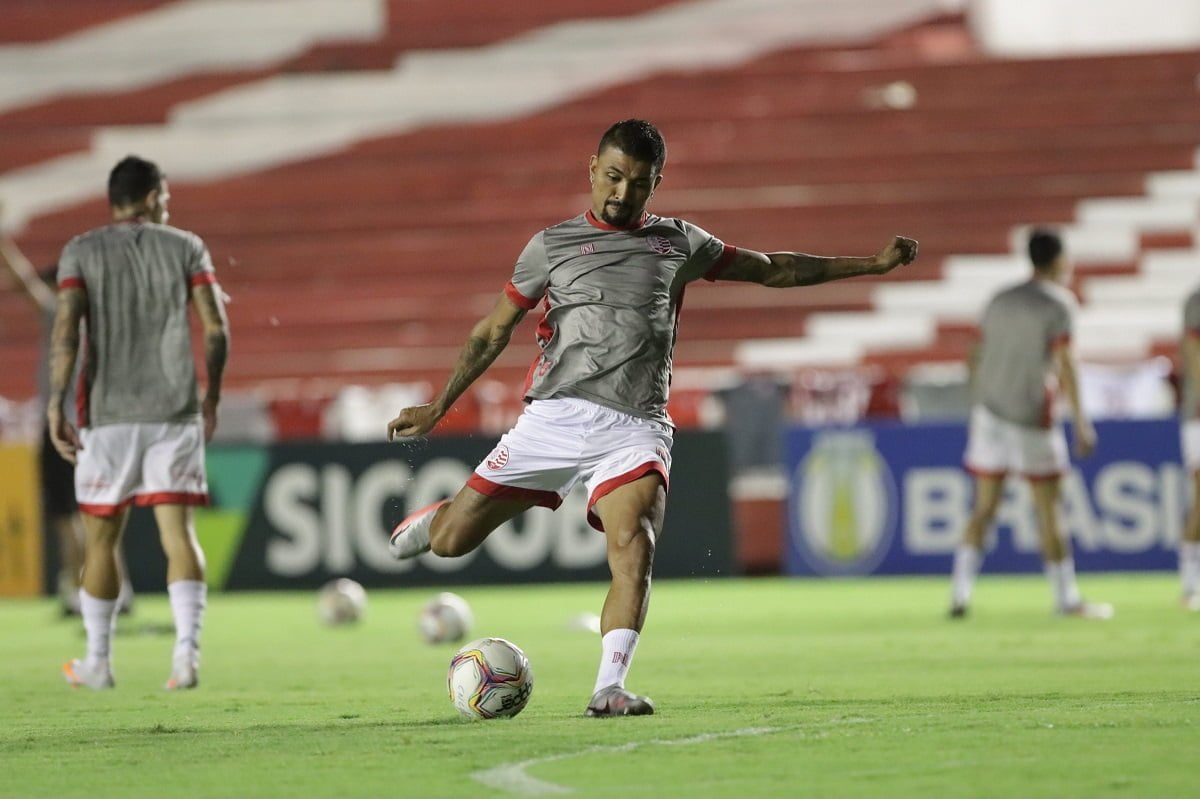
{"x": 78, "y": 673}
{"x": 616, "y": 701}
{"x": 957, "y": 611}
{"x": 1089, "y": 610}
{"x": 411, "y": 536}
{"x": 183, "y": 676}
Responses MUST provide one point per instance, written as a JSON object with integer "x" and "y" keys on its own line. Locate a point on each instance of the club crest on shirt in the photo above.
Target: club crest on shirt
{"x": 587, "y": 249}
{"x": 498, "y": 459}
{"x": 660, "y": 244}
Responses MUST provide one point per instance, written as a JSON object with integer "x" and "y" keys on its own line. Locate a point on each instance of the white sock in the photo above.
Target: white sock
{"x": 1189, "y": 566}
{"x": 188, "y": 600}
{"x": 618, "y": 654}
{"x": 1062, "y": 583}
{"x": 99, "y": 622}
{"x": 967, "y": 560}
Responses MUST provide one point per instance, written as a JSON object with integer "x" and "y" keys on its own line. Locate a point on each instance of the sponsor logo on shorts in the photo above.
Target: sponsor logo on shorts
{"x": 587, "y": 249}
{"x": 498, "y": 459}
{"x": 660, "y": 244}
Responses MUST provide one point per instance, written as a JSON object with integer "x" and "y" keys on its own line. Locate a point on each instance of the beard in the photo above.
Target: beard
{"x": 617, "y": 215}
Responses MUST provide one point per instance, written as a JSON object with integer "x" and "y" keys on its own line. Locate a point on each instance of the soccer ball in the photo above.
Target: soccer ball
{"x": 489, "y": 678}
{"x": 341, "y": 601}
{"x": 445, "y": 618}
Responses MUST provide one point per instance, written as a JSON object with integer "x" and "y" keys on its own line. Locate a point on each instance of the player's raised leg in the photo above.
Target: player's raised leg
{"x": 452, "y": 528}
{"x": 186, "y": 589}
{"x": 101, "y": 584}
{"x": 632, "y": 516}
{"x": 968, "y": 557}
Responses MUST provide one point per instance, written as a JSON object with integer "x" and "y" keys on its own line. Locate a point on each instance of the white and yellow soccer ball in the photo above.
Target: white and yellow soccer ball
{"x": 489, "y": 679}
{"x": 445, "y": 618}
{"x": 341, "y": 601}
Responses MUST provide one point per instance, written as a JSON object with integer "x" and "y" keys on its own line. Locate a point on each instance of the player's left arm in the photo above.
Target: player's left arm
{"x": 64, "y": 348}
{"x": 1068, "y": 377}
{"x": 785, "y": 269}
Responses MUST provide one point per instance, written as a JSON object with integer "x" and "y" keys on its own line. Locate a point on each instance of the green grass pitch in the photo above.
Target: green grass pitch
{"x": 765, "y": 688}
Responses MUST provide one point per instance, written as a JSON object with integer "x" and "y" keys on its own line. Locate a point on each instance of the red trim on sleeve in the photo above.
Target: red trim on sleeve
{"x": 613, "y": 483}
{"x": 726, "y": 258}
{"x": 202, "y": 278}
{"x": 519, "y": 299}
{"x": 71, "y": 283}
{"x": 1061, "y": 340}
{"x": 544, "y": 499}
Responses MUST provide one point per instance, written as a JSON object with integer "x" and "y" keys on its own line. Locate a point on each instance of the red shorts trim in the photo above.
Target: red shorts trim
{"x": 71, "y": 283}
{"x": 543, "y": 499}
{"x": 170, "y": 498}
{"x": 519, "y": 299}
{"x": 143, "y": 500}
{"x": 971, "y": 470}
{"x": 613, "y": 483}
{"x": 202, "y": 278}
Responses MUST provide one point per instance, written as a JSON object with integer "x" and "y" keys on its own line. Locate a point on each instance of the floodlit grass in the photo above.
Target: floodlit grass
{"x": 856, "y": 688}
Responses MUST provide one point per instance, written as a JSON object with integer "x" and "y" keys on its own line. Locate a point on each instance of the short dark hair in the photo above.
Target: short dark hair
{"x": 638, "y": 139}
{"x": 131, "y": 180}
{"x": 1044, "y": 248}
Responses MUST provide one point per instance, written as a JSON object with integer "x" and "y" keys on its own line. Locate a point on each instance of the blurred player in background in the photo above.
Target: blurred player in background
{"x": 143, "y": 424}
{"x": 1023, "y": 355}
{"x": 60, "y": 514}
{"x": 613, "y": 281}
{"x": 1189, "y": 547}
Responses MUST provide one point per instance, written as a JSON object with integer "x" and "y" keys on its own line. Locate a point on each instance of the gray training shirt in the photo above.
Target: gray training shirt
{"x": 613, "y": 297}
{"x": 138, "y": 364}
{"x": 1021, "y": 327}
{"x": 1191, "y": 329}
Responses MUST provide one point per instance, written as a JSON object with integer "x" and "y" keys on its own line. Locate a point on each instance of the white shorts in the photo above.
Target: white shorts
{"x": 140, "y": 463}
{"x": 558, "y": 442}
{"x": 996, "y": 447}
{"x": 1189, "y": 444}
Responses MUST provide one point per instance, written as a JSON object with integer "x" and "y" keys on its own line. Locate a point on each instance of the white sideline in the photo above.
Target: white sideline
{"x": 511, "y": 777}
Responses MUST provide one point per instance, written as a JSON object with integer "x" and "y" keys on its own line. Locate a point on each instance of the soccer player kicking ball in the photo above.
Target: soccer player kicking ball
{"x": 612, "y": 280}
{"x": 143, "y": 425}
{"x": 1024, "y": 351}
{"x": 1189, "y": 547}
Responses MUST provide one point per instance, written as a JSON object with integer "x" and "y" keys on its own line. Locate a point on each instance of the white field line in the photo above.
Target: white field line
{"x": 511, "y": 777}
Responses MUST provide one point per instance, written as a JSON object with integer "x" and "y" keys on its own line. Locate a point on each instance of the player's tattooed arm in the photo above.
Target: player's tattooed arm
{"x": 785, "y": 269}
{"x": 487, "y": 340}
{"x": 209, "y": 302}
{"x": 64, "y": 348}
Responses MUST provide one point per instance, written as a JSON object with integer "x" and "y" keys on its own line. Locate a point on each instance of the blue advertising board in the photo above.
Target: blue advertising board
{"x": 894, "y": 499}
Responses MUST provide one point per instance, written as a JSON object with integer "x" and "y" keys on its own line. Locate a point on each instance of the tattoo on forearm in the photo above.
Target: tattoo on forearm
{"x": 64, "y": 346}
{"x": 476, "y": 356}
{"x": 807, "y": 270}
{"x": 216, "y": 352}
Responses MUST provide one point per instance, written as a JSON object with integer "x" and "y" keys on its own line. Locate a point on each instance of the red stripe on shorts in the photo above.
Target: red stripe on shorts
{"x": 544, "y": 499}
{"x": 170, "y": 498}
{"x": 613, "y": 483}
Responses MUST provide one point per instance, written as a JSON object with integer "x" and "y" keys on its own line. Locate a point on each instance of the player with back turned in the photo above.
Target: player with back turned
{"x": 143, "y": 425}
{"x": 612, "y": 280}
